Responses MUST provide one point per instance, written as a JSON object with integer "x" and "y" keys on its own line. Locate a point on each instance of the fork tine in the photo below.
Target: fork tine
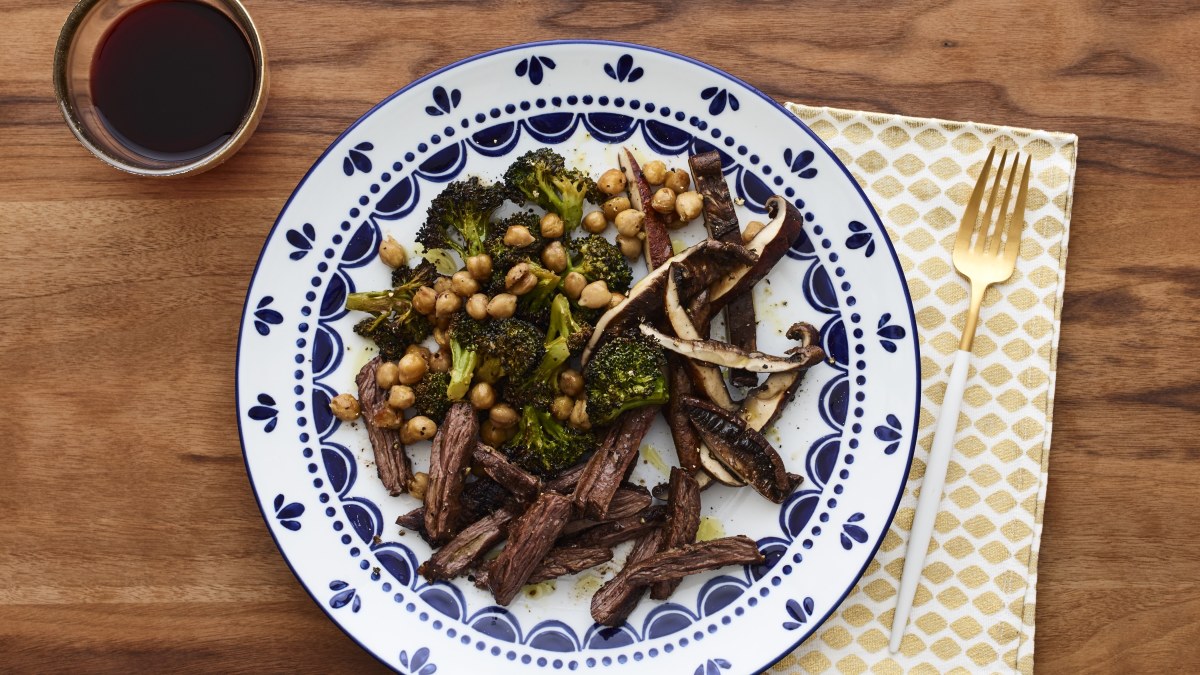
{"x": 987, "y": 216}
{"x": 967, "y": 226}
{"x": 993, "y": 246}
{"x": 1017, "y": 222}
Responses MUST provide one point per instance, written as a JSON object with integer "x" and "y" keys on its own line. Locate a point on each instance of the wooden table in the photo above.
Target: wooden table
{"x": 130, "y": 539}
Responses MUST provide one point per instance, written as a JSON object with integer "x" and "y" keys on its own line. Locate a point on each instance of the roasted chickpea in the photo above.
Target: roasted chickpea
{"x": 579, "y": 417}
{"x": 570, "y": 382}
{"x": 439, "y": 362}
{"x": 482, "y": 396}
{"x": 595, "y": 295}
{"x": 561, "y": 407}
{"x": 752, "y": 229}
{"x": 441, "y": 285}
{"x": 502, "y": 306}
{"x": 552, "y": 226}
{"x": 554, "y": 257}
{"x": 518, "y": 236}
{"x": 447, "y": 304}
{"x": 480, "y": 266}
{"x": 419, "y": 350}
{"x": 493, "y": 435}
{"x": 611, "y": 182}
{"x": 463, "y": 284}
{"x": 678, "y": 180}
{"x": 424, "y": 300}
{"x": 392, "y": 254}
{"x": 595, "y": 222}
{"x": 502, "y": 415}
{"x": 401, "y": 397}
{"x": 663, "y": 201}
{"x": 412, "y": 368}
{"x": 387, "y": 418}
{"x": 418, "y": 484}
{"x": 387, "y": 375}
{"x": 441, "y": 338}
{"x": 689, "y": 205}
{"x": 421, "y": 428}
{"x": 617, "y": 299}
{"x": 614, "y": 206}
{"x": 520, "y": 280}
{"x": 629, "y": 222}
{"x": 631, "y": 247}
{"x": 573, "y": 284}
{"x": 345, "y": 407}
{"x": 477, "y": 306}
{"x": 654, "y": 172}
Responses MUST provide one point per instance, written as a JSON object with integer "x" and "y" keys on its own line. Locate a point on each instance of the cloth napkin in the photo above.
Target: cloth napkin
{"x": 974, "y": 610}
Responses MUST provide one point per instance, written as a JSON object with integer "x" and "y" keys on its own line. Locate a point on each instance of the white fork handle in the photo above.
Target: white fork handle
{"x": 931, "y": 496}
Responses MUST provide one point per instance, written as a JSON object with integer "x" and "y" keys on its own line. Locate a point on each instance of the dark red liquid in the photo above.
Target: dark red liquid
{"x": 173, "y": 79}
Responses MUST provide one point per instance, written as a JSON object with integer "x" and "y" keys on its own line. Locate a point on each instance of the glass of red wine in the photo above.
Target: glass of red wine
{"x": 161, "y": 87}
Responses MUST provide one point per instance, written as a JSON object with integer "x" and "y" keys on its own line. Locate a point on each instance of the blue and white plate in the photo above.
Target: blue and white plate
{"x": 850, "y": 431}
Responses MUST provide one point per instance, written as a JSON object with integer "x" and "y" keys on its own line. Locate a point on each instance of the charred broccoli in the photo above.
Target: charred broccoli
{"x": 543, "y": 445}
{"x": 395, "y": 324}
{"x": 459, "y": 217}
{"x": 624, "y": 374}
{"x": 542, "y": 177}
{"x": 467, "y": 339}
{"x": 565, "y": 337}
{"x": 430, "y": 396}
{"x": 512, "y": 348}
{"x": 534, "y": 304}
{"x": 597, "y": 259}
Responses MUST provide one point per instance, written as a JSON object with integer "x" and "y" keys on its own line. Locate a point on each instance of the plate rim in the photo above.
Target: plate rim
{"x": 607, "y": 43}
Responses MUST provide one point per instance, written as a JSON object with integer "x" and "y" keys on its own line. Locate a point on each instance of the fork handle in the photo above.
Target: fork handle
{"x": 931, "y": 496}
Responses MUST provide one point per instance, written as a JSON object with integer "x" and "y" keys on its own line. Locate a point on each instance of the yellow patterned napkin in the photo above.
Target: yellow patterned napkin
{"x": 974, "y": 609}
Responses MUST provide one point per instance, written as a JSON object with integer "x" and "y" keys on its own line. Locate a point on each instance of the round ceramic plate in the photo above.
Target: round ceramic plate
{"x": 850, "y": 432}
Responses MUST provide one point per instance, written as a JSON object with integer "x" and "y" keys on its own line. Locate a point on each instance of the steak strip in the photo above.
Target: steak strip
{"x": 627, "y": 501}
{"x": 703, "y": 556}
{"x": 467, "y": 547}
{"x": 687, "y": 442}
{"x": 683, "y": 521}
{"x": 522, "y": 484}
{"x": 557, "y": 563}
{"x": 566, "y": 481}
{"x": 449, "y": 460}
{"x": 721, "y": 221}
{"x": 530, "y": 538}
{"x": 615, "y": 600}
{"x": 614, "y": 532}
{"x": 607, "y": 466}
{"x": 392, "y": 463}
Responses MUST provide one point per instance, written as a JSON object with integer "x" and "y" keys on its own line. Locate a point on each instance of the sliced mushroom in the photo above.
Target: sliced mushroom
{"x": 770, "y": 244}
{"x": 658, "y": 240}
{"x": 764, "y": 403}
{"x": 742, "y": 450}
{"x": 707, "y": 378}
{"x": 725, "y": 354}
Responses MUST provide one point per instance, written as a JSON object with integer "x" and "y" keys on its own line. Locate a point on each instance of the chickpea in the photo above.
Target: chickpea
{"x": 412, "y": 368}
{"x": 689, "y": 205}
{"x": 401, "y": 397}
{"x": 477, "y": 306}
{"x": 552, "y": 226}
{"x": 571, "y": 382}
{"x": 611, "y": 182}
{"x": 617, "y": 299}
{"x": 418, "y": 484}
{"x": 421, "y": 428}
{"x": 441, "y": 285}
{"x": 502, "y": 306}
{"x": 579, "y": 417}
{"x": 392, "y": 254}
{"x": 561, "y": 407}
{"x": 483, "y": 396}
{"x": 441, "y": 337}
{"x": 629, "y": 222}
{"x": 654, "y": 172}
{"x": 631, "y": 247}
{"x": 387, "y": 375}
{"x": 386, "y": 418}
{"x": 595, "y": 222}
{"x": 502, "y": 415}
{"x": 447, "y": 304}
{"x": 424, "y": 300}
{"x": 663, "y": 201}
{"x": 493, "y": 435}
{"x": 678, "y": 180}
{"x": 595, "y": 295}
{"x": 480, "y": 266}
{"x": 345, "y": 407}
{"x": 439, "y": 362}
{"x": 419, "y": 350}
{"x": 520, "y": 280}
{"x": 752, "y": 229}
{"x": 573, "y": 284}
{"x": 463, "y": 284}
{"x": 614, "y": 206}
{"x": 554, "y": 257}
{"x": 518, "y": 236}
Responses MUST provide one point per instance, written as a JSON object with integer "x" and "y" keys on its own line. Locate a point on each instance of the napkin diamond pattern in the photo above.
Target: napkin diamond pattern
{"x": 974, "y": 610}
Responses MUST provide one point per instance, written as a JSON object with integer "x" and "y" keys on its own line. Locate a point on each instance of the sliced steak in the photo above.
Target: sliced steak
{"x": 449, "y": 461}
{"x": 616, "y": 599}
{"x": 703, "y": 556}
{"x": 522, "y": 484}
{"x": 614, "y": 532}
{"x": 391, "y": 462}
{"x": 683, "y": 521}
{"x": 467, "y": 547}
{"x": 607, "y": 467}
{"x": 530, "y": 538}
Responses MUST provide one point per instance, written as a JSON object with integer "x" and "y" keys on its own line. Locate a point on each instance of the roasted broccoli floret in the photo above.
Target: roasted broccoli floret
{"x": 565, "y": 337}
{"x": 567, "y": 326}
{"x": 542, "y": 177}
{"x": 534, "y": 304}
{"x": 467, "y": 339}
{"x": 598, "y": 260}
{"x": 395, "y": 324}
{"x": 430, "y": 397}
{"x": 513, "y": 347}
{"x": 459, "y": 216}
{"x": 543, "y": 445}
{"x": 624, "y": 374}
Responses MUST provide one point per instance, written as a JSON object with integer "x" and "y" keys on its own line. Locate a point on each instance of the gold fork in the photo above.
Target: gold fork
{"x": 989, "y": 259}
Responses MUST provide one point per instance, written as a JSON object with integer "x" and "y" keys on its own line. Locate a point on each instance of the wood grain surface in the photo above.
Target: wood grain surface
{"x": 130, "y": 539}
